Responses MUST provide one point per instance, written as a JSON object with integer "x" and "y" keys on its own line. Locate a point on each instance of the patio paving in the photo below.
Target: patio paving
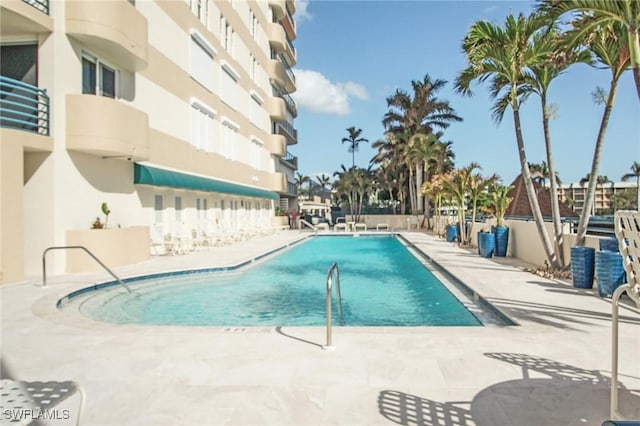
{"x": 551, "y": 369}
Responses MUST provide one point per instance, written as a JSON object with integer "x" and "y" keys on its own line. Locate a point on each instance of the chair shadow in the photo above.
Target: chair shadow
{"x": 560, "y": 394}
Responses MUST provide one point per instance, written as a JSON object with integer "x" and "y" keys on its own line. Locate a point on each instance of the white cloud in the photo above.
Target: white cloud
{"x": 317, "y": 94}
{"x": 302, "y": 14}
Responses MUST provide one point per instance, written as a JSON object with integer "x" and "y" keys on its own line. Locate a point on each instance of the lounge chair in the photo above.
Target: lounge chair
{"x": 382, "y": 226}
{"x": 338, "y": 226}
{"x": 627, "y": 226}
{"x": 361, "y": 226}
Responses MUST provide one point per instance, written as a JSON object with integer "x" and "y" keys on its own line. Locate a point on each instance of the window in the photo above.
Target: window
{"x": 201, "y": 65}
{"x": 178, "y": 208}
{"x": 200, "y": 8}
{"x": 98, "y": 78}
{"x": 229, "y": 85}
{"x": 158, "y": 208}
{"x": 256, "y": 112}
{"x": 229, "y": 147}
{"x": 226, "y": 35}
{"x": 254, "y": 25}
{"x": 255, "y": 149}
{"x": 203, "y": 127}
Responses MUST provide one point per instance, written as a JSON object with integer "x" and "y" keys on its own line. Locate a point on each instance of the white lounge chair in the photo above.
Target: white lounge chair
{"x": 382, "y": 226}
{"x": 627, "y": 226}
{"x": 340, "y": 226}
{"x": 360, "y": 226}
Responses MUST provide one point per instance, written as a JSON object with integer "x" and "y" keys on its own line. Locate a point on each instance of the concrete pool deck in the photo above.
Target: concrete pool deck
{"x": 551, "y": 369}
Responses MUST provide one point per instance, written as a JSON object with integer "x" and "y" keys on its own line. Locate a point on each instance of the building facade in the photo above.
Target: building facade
{"x": 575, "y": 193}
{"x": 176, "y": 114}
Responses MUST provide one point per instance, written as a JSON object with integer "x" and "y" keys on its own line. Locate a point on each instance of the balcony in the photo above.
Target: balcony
{"x": 277, "y": 145}
{"x": 277, "y": 37}
{"x": 281, "y": 74}
{"x": 18, "y": 18}
{"x": 291, "y": 160}
{"x": 292, "y": 188}
{"x": 277, "y": 109}
{"x": 279, "y": 8}
{"x": 278, "y": 182}
{"x": 23, "y": 107}
{"x": 291, "y": 105}
{"x": 106, "y": 127}
{"x": 113, "y": 29}
{"x": 288, "y": 131}
{"x": 290, "y": 51}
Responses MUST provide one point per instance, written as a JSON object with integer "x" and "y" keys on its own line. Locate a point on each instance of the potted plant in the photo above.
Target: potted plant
{"x": 500, "y": 203}
{"x": 106, "y": 211}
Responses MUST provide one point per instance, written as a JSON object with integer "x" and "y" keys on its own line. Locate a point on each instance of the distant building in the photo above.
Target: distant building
{"x": 177, "y": 114}
{"x": 575, "y": 193}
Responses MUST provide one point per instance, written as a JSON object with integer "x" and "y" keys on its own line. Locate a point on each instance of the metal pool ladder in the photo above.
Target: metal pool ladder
{"x": 44, "y": 264}
{"x": 333, "y": 270}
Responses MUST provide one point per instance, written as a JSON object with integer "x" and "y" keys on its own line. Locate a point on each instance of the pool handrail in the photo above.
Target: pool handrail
{"x": 44, "y": 264}
{"x": 330, "y": 273}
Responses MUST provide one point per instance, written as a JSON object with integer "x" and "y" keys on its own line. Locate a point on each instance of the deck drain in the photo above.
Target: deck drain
{"x": 235, "y": 330}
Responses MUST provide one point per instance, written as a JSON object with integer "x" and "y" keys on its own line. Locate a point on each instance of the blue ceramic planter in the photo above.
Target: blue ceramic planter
{"x": 502, "y": 240}
{"x": 609, "y": 244}
{"x": 582, "y": 266}
{"x": 486, "y": 244}
{"x": 452, "y": 233}
{"x": 609, "y": 272}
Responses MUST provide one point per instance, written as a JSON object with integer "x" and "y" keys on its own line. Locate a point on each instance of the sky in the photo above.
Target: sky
{"x": 352, "y": 55}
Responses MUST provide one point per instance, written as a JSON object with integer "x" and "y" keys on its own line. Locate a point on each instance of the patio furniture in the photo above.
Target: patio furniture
{"x": 22, "y": 402}
{"x": 361, "y": 226}
{"x": 340, "y": 226}
{"x": 627, "y": 227}
{"x": 382, "y": 226}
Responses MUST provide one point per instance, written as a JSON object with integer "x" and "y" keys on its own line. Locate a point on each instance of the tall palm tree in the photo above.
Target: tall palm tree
{"x": 419, "y": 112}
{"x": 300, "y": 181}
{"x": 354, "y": 140}
{"x": 323, "y": 181}
{"x": 609, "y": 46}
{"x": 502, "y": 56}
{"x": 595, "y": 14}
{"x": 635, "y": 173}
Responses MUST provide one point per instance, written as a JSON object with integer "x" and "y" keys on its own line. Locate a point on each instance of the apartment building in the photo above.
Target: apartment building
{"x": 176, "y": 114}
{"x": 575, "y": 194}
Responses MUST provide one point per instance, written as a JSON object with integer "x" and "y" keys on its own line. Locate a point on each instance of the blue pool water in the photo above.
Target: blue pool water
{"x": 382, "y": 284}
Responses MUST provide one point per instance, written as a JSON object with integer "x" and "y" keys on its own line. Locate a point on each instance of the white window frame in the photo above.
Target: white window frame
{"x": 99, "y": 63}
{"x": 203, "y": 73}
{"x": 202, "y": 132}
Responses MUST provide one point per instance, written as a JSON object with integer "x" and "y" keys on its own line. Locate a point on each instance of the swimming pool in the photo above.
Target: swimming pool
{"x": 382, "y": 284}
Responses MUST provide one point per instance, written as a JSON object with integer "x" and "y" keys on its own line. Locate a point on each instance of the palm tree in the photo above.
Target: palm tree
{"x": 323, "y": 181}
{"x": 635, "y": 173}
{"x": 418, "y": 113}
{"x": 592, "y": 15}
{"x": 609, "y": 46}
{"x": 502, "y": 56}
{"x": 477, "y": 185}
{"x": 354, "y": 140}
{"x": 457, "y": 186}
{"x": 300, "y": 181}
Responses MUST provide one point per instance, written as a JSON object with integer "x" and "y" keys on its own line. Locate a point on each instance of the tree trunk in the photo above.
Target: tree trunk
{"x": 533, "y": 199}
{"x": 634, "y": 57}
{"x": 595, "y": 165}
{"x": 558, "y": 239}
{"x": 419, "y": 173}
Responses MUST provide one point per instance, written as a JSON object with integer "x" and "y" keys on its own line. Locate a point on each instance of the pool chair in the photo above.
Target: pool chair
{"x": 360, "y": 226}
{"x": 322, "y": 226}
{"x": 23, "y": 403}
{"x": 627, "y": 227}
{"x": 340, "y": 226}
{"x": 384, "y": 226}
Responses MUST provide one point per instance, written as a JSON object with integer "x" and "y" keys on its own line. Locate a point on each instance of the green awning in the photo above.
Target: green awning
{"x": 145, "y": 175}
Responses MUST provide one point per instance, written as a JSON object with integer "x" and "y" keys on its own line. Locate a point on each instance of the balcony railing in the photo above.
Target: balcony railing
{"x": 288, "y": 130}
{"x": 23, "y": 106}
{"x": 41, "y": 5}
{"x": 291, "y": 159}
{"x": 292, "y": 188}
{"x": 287, "y": 68}
{"x": 291, "y": 104}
